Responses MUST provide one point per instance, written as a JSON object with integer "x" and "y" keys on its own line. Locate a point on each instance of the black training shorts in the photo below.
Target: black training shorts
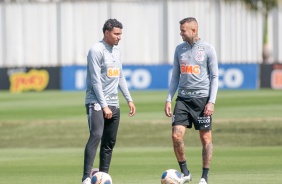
{"x": 191, "y": 111}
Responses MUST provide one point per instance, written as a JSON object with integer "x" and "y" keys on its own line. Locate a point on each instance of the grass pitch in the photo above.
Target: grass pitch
{"x": 42, "y": 137}
{"x": 248, "y": 165}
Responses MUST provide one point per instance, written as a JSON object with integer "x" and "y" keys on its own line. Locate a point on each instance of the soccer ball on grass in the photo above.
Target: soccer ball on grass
{"x": 171, "y": 176}
{"x": 101, "y": 178}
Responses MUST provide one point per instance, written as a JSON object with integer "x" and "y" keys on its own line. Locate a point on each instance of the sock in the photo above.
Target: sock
{"x": 184, "y": 168}
{"x": 205, "y": 173}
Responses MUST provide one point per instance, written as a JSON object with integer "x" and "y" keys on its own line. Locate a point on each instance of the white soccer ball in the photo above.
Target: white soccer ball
{"x": 93, "y": 171}
{"x": 171, "y": 176}
{"x": 101, "y": 178}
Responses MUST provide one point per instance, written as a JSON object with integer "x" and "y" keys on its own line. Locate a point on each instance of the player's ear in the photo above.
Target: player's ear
{"x": 106, "y": 33}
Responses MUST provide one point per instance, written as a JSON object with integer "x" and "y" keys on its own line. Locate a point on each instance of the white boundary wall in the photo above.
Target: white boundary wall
{"x": 54, "y": 34}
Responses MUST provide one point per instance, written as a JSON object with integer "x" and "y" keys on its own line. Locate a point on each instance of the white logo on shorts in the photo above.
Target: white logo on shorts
{"x": 204, "y": 120}
{"x": 173, "y": 118}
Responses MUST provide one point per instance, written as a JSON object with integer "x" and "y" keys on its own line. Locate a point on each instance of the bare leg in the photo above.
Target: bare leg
{"x": 206, "y": 139}
{"x": 178, "y": 132}
{"x": 207, "y": 150}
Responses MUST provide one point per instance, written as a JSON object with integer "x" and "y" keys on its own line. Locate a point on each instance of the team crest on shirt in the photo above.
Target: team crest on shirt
{"x": 116, "y": 55}
{"x": 107, "y": 60}
{"x": 200, "y": 56}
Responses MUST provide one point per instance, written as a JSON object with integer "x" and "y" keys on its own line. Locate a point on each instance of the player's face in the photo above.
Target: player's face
{"x": 187, "y": 32}
{"x": 114, "y": 36}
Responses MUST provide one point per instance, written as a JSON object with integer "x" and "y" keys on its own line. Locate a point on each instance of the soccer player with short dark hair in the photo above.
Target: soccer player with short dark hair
{"x": 104, "y": 77}
{"x": 195, "y": 75}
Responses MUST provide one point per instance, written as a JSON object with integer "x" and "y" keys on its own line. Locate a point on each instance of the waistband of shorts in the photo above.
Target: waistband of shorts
{"x": 98, "y": 103}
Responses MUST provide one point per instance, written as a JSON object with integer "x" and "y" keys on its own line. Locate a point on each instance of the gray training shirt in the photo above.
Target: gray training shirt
{"x": 195, "y": 71}
{"x": 104, "y": 75}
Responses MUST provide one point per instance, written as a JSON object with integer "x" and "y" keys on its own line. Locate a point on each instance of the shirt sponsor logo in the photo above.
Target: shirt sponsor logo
{"x": 111, "y": 97}
{"x": 189, "y": 93}
{"x": 113, "y": 72}
{"x": 190, "y": 69}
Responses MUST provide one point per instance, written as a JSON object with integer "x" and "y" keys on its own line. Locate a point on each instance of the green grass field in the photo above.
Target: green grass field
{"x": 42, "y": 139}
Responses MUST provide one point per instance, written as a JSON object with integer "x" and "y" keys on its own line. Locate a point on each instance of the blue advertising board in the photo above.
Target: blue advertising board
{"x": 154, "y": 77}
{"x": 73, "y": 78}
{"x": 238, "y": 76}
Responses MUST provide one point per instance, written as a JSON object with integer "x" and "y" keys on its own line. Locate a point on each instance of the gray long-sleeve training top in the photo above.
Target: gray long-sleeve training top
{"x": 104, "y": 75}
{"x": 195, "y": 71}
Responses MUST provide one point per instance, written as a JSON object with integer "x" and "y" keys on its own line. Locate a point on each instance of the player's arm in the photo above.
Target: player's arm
{"x": 213, "y": 68}
{"x": 94, "y": 57}
{"x": 173, "y": 85}
{"x": 168, "y": 109}
{"x": 125, "y": 92}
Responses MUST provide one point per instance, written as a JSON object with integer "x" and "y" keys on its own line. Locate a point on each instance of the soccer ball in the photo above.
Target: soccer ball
{"x": 93, "y": 171}
{"x": 171, "y": 176}
{"x": 101, "y": 178}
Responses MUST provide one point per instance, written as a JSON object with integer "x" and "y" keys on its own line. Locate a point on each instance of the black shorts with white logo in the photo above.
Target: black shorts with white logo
{"x": 191, "y": 111}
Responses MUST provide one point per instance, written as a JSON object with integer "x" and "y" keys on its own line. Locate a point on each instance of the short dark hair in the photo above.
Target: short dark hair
{"x": 110, "y": 24}
{"x": 188, "y": 19}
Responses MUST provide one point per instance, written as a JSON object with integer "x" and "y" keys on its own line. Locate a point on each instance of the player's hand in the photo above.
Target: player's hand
{"x": 209, "y": 109}
{"x": 107, "y": 112}
{"x": 168, "y": 109}
{"x": 131, "y": 108}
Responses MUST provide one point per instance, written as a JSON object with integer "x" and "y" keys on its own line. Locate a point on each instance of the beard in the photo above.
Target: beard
{"x": 116, "y": 43}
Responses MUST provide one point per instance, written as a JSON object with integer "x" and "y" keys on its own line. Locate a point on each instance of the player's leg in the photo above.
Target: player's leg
{"x": 109, "y": 139}
{"x": 207, "y": 151}
{"x": 180, "y": 122}
{"x": 178, "y": 132}
{"x": 203, "y": 123}
{"x": 96, "y": 125}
